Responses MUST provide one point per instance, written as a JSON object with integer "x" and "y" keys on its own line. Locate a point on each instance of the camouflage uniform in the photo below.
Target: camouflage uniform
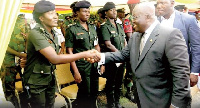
{"x": 9, "y": 68}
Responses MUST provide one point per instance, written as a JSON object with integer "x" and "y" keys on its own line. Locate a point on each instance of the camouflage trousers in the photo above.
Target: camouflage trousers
{"x": 8, "y": 76}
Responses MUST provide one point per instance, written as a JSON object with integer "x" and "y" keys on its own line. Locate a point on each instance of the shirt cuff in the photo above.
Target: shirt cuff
{"x": 102, "y": 61}
{"x": 174, "y": 106}
{"x": 117, "y": 64}
{"x": 194, "y": 73}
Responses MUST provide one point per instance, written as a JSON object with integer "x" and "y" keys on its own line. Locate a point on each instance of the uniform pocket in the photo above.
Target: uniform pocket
{"x": 80, "y": 40}
{"x": 41, "y": 75}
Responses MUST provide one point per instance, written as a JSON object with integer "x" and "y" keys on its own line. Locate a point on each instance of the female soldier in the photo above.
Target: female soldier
{"x": 42, "y": 56}
{"x": 82, "y": 37}
{"x": 114, "y": 38}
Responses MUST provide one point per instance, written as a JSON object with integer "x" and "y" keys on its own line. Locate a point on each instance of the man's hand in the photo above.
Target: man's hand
{"x": 193, "y": 80}
{"x": 93, "y": 56}
{"x": 22, "y": 62}
{"x": 22, "y": 55}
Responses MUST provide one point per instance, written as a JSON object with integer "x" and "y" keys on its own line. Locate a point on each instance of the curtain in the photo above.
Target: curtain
{"x": 9, "y": 10}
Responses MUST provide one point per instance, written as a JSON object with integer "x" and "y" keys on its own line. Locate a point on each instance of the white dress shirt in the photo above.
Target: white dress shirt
{"x": 168, "y": 22}
{"x": 148, "y": 32}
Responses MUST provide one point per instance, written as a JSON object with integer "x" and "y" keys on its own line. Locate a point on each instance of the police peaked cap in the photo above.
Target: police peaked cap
{"x": 82, "y": 4}
{"x": 43, "y": 6}
{"x": 121, "y": 10}
{"x": 108, "y": 6}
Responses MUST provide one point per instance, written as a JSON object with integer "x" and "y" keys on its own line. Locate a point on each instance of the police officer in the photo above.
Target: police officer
{"x": 80, "y": 37}
{"x": 42, "y": 49}
{"x": 114, "y": 38}
{"x": 10, "y": 64}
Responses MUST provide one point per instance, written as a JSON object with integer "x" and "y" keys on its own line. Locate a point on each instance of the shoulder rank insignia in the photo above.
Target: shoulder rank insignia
{"x": 112, "y": 31}
{"x": 80, "y": 33}
{"x": 42, "y": 29}
{"x": 103, "y": 23}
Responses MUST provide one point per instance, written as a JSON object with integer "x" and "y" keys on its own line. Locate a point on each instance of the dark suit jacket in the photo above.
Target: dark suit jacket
{"x": 162, "y": 70}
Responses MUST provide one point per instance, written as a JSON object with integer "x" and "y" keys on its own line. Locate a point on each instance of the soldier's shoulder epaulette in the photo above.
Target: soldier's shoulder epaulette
{"x": 70, "y": 25}
{"x": 103, "y": 23}
{"x": 38, "y": 29}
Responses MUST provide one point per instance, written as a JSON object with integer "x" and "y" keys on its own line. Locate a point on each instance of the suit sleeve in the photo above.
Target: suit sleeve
{"x": 119, "y": 56}
{"x": 194, "y": 41}
{"x": 178, "y": 58}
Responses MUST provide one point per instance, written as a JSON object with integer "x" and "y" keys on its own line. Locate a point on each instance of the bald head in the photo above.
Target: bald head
{"x": 143, "y": 16}
{"x": 145, "y": 8}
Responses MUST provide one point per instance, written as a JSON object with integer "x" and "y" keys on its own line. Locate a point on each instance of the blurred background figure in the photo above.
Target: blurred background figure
{"x": 102, "y": 19}
{"x": 10, "y": 68}
{"x": 120, "y": 16}
{"x": 197, "y": 15}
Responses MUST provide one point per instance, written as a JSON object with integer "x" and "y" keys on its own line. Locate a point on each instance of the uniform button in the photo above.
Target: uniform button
{"x": 42, "y": 71}
{"x": 90, "y": 41}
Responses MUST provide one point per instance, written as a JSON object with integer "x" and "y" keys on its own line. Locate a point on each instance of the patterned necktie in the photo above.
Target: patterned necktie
{"x": 142, "y": 43}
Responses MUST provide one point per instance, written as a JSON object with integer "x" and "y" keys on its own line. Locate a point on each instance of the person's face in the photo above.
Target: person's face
{"x": 121, "y": 14}
{"x": 139, "y": 21}
{"x": 100, "y": 15}
{"x": 164, "y": 6}
{"x": 50, "y": 19}
{"x": 84, "y": 14}
{"x": 197, "y": 16}
{"x": 112, "y": 13}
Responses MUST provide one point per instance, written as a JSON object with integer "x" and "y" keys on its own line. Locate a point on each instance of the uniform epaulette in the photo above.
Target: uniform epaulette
{"x": 70, "y": 25}
{"x": 103, "y": 23}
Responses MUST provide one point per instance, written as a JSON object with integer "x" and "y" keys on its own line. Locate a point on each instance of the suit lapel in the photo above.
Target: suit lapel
{"x": 151, "y": 40}
{"x": 137, "y": 46}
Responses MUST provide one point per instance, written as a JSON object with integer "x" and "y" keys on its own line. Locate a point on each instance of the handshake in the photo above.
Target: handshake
{"x": 92, "y": 56}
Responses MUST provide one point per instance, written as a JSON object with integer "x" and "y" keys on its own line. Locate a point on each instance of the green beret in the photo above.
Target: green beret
{"x": 108, "y": 6}
{"x": 121, "y": 10}
{"x": 83, "y": 4}
{"x": 43, "y": 6}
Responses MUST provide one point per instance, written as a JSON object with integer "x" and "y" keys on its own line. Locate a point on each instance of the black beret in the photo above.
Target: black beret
{"x": 108, "y": 6}
{"x": 83, "y": 4}
{"x": 121, "y": 10}
{"x": 43, "y": 6}
{"x": 100, "y": 10}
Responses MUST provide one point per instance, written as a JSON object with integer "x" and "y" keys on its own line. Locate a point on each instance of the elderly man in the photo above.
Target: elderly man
{"x": 187, "y": 24}
{"x": 159, "y": 60}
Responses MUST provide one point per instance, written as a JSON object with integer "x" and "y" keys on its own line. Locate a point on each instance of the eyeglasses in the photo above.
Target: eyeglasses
{"x": 135, "y": 17}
